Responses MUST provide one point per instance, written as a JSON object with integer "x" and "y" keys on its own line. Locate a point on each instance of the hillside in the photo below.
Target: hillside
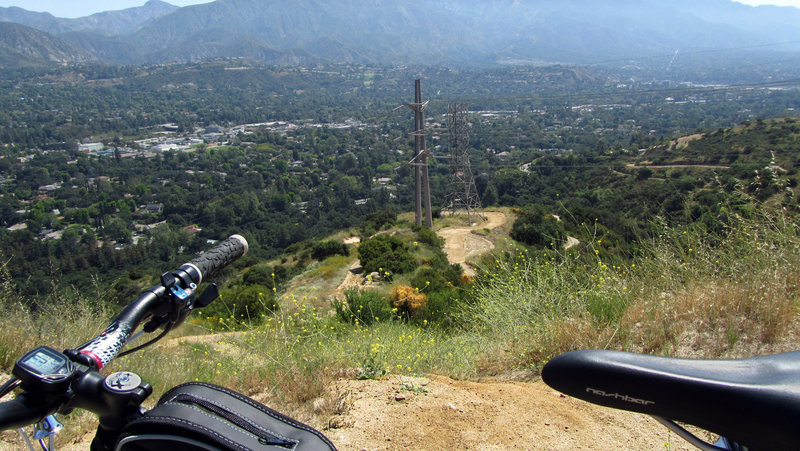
{"x": 394, "y": 383}
{"x": 25, "y": 46}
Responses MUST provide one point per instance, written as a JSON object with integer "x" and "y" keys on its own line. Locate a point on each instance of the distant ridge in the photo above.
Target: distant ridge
{"x": 110, "y": 22}
{"x": 433, "y": 32}
{"x": 26, "y": 46}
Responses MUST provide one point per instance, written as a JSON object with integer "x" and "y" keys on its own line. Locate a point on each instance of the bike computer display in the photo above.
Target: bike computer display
{"x": 44, "y": 369}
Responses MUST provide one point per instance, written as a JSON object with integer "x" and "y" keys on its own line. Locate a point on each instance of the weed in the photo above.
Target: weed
{"x": 370, "y": 370}
{"x": 413, "y": 388}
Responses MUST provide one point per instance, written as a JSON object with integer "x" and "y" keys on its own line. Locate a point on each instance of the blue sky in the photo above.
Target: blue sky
{"x": 80, "y": 8}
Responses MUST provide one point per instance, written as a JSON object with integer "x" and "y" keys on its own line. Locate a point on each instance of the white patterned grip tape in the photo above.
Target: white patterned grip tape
{"x": 107, "y": 345}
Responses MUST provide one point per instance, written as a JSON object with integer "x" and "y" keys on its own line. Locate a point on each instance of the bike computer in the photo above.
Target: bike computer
{"x": 44, "y": 369}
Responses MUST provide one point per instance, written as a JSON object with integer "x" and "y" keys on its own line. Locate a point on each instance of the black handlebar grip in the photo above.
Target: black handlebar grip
{"x": 23, "y": 411}
{"x": 216, "y": 258}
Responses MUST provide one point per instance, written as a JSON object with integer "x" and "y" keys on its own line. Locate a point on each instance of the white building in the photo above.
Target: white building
{"x": 90, "y": 147}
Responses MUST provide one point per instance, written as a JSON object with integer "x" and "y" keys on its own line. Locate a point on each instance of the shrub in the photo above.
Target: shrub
{"x": 260, "y": 274}
{"x": 242, "y": 302}
{"x": 407, "y": 300}
{"x": 362, "y": 307}
{"x": 379, "y": 220}
{"x": 324, "y": 249}
{"x": 385, "y": 253}
{"x": 431, "y": 279}
{"x": 428, "y": 236}
{"x": 442, "y": 290}
{"x": 442, "y": 306}
{"x": 534, "y": 227}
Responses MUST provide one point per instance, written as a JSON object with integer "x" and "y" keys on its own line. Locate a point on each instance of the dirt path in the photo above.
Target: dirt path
{"x": 440, "y": 413}
{"x": 684, "y": 166}
{"x": 353, "y": 279}
{"x": 461, "y": 244}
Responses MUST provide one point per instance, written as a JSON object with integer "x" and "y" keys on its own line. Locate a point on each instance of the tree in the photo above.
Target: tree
{"x": 489, "y": 197}
{"x": 117, "y": 230}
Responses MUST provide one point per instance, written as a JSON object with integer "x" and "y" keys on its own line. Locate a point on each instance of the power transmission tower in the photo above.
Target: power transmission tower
{"x": 422, "y": 187}
{"x": 462, "y": 195}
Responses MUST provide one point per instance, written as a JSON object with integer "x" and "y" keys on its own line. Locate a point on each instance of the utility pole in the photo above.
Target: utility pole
{"x": 422, "y": 188}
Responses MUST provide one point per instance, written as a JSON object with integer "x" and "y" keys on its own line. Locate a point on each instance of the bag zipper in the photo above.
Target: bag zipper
{"x": 264, "y": 438}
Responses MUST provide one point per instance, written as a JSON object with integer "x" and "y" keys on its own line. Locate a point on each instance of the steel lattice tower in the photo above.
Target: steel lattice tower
{"x": 461, "y": 194}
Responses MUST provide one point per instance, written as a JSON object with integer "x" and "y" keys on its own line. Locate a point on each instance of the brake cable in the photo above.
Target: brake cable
{"x": 8, "y": 386}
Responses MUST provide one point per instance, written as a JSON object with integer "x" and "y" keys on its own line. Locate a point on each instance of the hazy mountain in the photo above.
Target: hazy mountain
{"x": 40, "y": 21}
{"x": 124, "y": 21}
{"x": 427, "y": 32}
{"x": 111, "y": 22}
{"x": 26, "y": 46}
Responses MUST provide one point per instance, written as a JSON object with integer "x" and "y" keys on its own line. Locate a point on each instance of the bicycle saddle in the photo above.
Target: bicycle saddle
{"x": 755, "y": 401}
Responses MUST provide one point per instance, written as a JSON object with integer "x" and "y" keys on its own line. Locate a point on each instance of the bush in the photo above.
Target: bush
{"x": 428, "y": 236}
{"x": 536, "y": 228}
{"x": 385, "y": 253}
{"x": 362, "y": 307}
{"x": 243, "y": 303}
{"x": 431, "y": 279}
{"x": 260, "y": 274}
{"x": 407, "y": 300}
{"x": 442, "y": 306}
{"x": 379, "y": 220}
{"x": 442, "y": 290}
{"x": 324, "y": 249}
{"x": 266, "y": 275}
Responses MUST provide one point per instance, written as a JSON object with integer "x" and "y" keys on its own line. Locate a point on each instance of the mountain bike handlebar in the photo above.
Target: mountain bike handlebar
{"x": 180, "y": 284}
{"x": 60, "y": 382}
{"x": 20, "y": 412}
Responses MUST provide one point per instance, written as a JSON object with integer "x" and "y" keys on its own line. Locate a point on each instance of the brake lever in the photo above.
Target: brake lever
{"x": 208, "y": 296}
{"x": 180, "y": 300}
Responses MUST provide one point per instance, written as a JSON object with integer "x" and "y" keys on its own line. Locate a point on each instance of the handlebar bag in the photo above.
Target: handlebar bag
{"x": 199, "y": 416}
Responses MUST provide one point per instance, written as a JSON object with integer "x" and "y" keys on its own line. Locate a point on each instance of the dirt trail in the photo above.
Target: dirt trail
{"x": 439, "y": 413}
{"x": 461, "y": 244}
{"x": 353, "y": 279}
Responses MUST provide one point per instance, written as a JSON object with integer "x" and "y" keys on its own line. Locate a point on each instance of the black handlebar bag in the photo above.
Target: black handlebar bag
{"x": 198, "y": 416}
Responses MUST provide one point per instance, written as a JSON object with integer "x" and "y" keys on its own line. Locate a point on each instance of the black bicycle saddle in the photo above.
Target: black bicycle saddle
{"x": 754, "y": 401}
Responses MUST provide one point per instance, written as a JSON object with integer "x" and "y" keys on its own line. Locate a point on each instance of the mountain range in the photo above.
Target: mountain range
{"x": 450, "y": 32}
